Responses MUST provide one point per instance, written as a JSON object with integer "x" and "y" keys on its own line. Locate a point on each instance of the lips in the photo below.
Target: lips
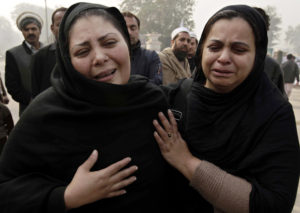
{"x": 105, "y": 75}
{"x": 222, "y": 73}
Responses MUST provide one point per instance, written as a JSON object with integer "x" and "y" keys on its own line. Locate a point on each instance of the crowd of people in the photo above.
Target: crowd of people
{"x": 106, "y": 125}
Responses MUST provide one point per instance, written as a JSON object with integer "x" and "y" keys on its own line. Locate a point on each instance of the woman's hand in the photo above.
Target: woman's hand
{"x": 87, "y": 187}
{"x": 173, "y": 147}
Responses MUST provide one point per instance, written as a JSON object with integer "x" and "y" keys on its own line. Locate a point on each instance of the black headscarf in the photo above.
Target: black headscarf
{"x": 249, "y": 131}
{"x": 74, "y": 82}
{"x": 65, "y": 123}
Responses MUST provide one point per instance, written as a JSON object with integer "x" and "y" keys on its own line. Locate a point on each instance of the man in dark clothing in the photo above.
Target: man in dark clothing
{"x": 44, "y": 60}
{"x": 273, "y": 70}
{"x": 17, "y": 72}
{"x": 291, "y": 72}
{"x": 272, "y": 67}
{"x": 192, "y": 51}
{"x": 143, "y": 62}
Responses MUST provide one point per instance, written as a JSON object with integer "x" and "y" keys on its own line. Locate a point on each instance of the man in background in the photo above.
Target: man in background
{"x": 175, "y": 65}
{"x": 272, "y": 68}
{"x": 143, "y": 62}
{"x": 44, "y": 60}
{"x": 290, "y": 73}
{"x": 192, "y": 51}
{"x": 17, "y": 71}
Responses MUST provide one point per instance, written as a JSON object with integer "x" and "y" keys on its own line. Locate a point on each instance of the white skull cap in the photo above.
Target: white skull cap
{"x": 26, "y": 15}
{"x": 179, "y": 30}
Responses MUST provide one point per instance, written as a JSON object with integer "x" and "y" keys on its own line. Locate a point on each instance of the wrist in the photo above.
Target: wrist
{"x": 188, "y": 167}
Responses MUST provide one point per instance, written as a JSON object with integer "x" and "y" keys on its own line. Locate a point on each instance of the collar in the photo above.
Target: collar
{"x": 32, "y": 48}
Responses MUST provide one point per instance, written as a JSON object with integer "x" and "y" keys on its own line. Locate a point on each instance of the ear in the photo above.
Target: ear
{"x": 172, "y": 43}
{"x": 52, "y": 28}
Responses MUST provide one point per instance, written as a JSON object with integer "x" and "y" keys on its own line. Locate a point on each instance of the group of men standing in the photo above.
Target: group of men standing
{"x": 29, "y": 65}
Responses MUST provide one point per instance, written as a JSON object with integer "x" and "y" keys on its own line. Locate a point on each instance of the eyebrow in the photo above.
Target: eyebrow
{"x": 85, "y": 43}
{"x": 233, "y": 43}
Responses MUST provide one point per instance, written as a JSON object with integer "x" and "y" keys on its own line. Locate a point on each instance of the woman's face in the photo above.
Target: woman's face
{"x": 99, "y": 51}
{"x": 228, "y": 54}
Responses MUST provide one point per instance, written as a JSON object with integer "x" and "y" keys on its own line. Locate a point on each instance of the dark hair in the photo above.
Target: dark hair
{"x": 264, "y": 15}
{"x": 61, "y": 9}
{"x": 131, "y": 15}
{"x": 289, "y": 56}
{"x": 107, "y": 16}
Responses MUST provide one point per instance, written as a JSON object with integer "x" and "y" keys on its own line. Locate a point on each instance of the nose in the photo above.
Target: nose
{"x": 100, "y": 56}
{"x": 224, "y": 57}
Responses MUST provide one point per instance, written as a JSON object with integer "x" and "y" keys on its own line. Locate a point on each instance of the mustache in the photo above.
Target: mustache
{"x": 31, "y": 36}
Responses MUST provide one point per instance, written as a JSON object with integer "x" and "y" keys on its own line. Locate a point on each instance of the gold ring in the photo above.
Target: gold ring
{"x": 169, "y": 135}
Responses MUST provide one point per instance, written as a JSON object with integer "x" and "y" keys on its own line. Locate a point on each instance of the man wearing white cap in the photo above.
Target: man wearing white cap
{"x": 175, "y": 65}
{"x": 17, "y": 72}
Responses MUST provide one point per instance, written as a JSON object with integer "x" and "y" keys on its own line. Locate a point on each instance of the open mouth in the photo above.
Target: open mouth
{"x": 105, "y": 76}
{"x": 223, "y": 73}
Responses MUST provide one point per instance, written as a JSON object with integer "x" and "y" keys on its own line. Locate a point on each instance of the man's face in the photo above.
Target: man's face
{"x": 133, "y": 29}
{"x": 181, "y": 42}
{"x": 55, "y": 26}
{"x": 192, "y": 47}
{"x": 31, "y": 33}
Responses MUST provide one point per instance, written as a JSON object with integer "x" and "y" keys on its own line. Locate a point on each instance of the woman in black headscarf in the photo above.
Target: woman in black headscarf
{"x": 94, "y": 104}
{"x": 241, "y": 133}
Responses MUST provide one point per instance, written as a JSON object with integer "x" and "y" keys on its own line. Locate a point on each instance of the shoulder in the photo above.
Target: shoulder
{"x": 44, "y": 51}
{"x": 15, "y": 49}
{"x": 166, "y": 53}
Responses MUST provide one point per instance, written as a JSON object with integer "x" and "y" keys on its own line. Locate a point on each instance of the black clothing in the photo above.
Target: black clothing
{"x": 41, "y": 66}
{"x": 274, "y": 72}
{"x": 6, "y": 124}
{"x": 66, "y": 122}
{"x": 18, "y": 75}
{"x": 147, "y": 63}
{"x": 249, "y": 132}
{"x": 290, "y": 71}
{"x": 192, "y": 63}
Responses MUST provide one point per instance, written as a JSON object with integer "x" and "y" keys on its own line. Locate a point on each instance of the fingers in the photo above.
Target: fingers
{"x": 172, "y": 120}
{"x": 165, "y": 122}
{"x": 114, "y": 168}
{"x": 174, "y": 124}
{"x": 123, "y": 183}
{"x": 160, "y": 142}
{"x": 89, "y": 163}
{"x": 161, "y": 131}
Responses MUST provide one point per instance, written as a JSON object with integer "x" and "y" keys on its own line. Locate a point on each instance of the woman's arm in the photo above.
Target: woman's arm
{"x": 225, "y": 192}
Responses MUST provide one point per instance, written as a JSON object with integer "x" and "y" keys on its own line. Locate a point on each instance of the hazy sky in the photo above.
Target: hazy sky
{"x": 288, "y": 10}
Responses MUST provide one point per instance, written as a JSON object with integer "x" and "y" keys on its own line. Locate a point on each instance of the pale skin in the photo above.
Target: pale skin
{"x": 227, "y": 59}
{"x": 90, "y": 186}
{"x": 174, "y": 148}
{"x": 101, "y": 54}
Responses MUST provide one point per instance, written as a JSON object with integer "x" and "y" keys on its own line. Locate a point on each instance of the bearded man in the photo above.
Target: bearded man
{"x": 175, "y": 65}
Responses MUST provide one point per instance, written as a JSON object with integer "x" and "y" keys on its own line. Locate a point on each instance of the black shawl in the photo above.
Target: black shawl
{"x": 249, "y": 132}
{"x": 65, "y": 123}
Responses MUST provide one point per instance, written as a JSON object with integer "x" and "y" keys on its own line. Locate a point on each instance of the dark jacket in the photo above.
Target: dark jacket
{"x": 290, "y": 71}
{"x": 18, "y": 75}
{"x": 41, "y": 66}
{"x": 146, "y": 62}
{"x": 274, "y": 72}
